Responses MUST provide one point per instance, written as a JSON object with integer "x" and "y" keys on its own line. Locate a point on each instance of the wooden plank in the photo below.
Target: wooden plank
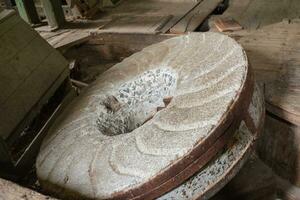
{"x": 70, "y": 39}
{"x": 26, "y": 95}
{"x": 195, "y": 17}
{"x": 65, "y": 38}
{"x": 54, "y": 13}
{"x": 174, "y": 10}
{"x": 29, "y": 67}
{"x": 273, "y": 52}
{"x": 283, "y": 102}
{"x": 136, "y": 24}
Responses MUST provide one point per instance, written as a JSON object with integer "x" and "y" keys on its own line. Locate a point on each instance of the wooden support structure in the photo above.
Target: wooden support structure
{"x": 54, "y": 13}
{"x": 27, "y": 11}
{"x": 32, "y": 71}
{"x": 52, "y": 8}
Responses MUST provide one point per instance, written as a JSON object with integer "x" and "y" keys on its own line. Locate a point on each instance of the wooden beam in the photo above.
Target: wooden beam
{"x": 27, "y": 11}
{"x": 195, "y": 17}
{"x": 54, "y": 13}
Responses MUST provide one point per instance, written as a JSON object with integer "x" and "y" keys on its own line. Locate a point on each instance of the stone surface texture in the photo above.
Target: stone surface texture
{"x": 96, "y": 152}
{"x": 223, "y": 168}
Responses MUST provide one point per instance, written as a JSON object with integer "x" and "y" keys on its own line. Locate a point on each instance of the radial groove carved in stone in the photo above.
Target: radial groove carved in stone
{"x": 147, "y": 118}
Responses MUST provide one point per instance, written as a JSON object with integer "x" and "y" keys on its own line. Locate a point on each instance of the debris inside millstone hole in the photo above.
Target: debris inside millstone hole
{"x": 112, "y": 104}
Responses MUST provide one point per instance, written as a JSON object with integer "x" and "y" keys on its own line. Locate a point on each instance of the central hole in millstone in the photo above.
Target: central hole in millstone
{"x": 136, "y": 101}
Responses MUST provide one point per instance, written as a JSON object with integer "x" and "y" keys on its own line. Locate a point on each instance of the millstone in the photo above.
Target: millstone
{"x": 150, "y": 122}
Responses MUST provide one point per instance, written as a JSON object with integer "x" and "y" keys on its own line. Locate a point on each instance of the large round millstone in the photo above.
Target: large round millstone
{"x": 158, "y": 113}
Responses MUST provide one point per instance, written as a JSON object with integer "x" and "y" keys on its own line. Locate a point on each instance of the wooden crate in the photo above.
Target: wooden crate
{"x": 30, "y": 70}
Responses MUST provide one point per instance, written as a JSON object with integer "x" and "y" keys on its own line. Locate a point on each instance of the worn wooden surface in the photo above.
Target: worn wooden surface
{"x": 54, "y": 13}
{"x": 29, "y": 68}
{"x": 160, "y": 15}
{"x": 135, "y": 16}
{"x": 274, "y": 54}
{"x": 196, "y": 16}
{"x": 137, "y": 24}
{"x": 65, "y": 38}
{"x": 254, "y": 14}
{"x": 12, "y": 191}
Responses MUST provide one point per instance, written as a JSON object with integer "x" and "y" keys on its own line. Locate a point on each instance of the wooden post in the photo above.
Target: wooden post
{"x": 27, "y": 11}
{"x": 54, "y": 13}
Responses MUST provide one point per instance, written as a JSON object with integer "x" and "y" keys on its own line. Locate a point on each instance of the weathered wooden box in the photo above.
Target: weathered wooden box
{"x": 30, "y": 72}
